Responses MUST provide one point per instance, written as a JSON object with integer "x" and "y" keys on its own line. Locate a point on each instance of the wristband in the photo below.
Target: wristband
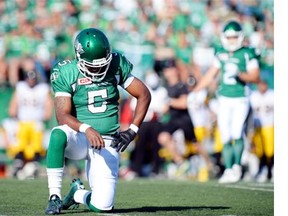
{"x": 83, "y": 127}
{"x": 134, "y": 128}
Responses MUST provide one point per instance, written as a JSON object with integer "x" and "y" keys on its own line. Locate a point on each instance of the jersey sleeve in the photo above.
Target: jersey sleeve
{"x": 216, "y": 61}
{"x": 126, "y": 68}
{"x": 252, "y": 59}
{"x": 59, "y": 83}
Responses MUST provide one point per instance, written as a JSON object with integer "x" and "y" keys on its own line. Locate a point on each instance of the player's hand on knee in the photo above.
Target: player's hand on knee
{"x": 123, "y": 139}
{"x": 95, "y": 139}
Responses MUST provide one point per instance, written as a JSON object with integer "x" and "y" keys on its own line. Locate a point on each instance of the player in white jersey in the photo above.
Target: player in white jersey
{"x": 262, "y": 103}
{"x": 31, "y": 105}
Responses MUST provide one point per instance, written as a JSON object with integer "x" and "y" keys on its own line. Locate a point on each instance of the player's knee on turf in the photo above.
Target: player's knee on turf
{"x": 95, "y": 209}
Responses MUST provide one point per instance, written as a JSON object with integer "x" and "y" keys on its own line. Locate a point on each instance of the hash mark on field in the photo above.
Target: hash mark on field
{"x": 249, "y": 188}
{"x": 261, "y": 185}
{"x": 107, "y": 214}
{"x": 228, "y": 215}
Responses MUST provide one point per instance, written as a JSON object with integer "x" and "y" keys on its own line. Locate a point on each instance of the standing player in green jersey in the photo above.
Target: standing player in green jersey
{"x": 238, "y": 65}
{"x": 86, "y": 105}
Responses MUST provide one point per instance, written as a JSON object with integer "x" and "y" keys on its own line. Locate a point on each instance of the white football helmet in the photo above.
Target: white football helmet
{"x": 232, "y": 36}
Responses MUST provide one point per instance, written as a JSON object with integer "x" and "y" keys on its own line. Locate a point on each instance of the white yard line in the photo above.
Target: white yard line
{"x": 266, "y": 185}
{"x": 249, "y": 188}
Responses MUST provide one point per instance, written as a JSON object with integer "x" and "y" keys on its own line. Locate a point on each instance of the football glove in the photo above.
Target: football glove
{"x": 123, "y": 139}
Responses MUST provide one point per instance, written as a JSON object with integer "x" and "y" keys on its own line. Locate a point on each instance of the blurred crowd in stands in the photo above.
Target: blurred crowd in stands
{"x": 34, "y": 35}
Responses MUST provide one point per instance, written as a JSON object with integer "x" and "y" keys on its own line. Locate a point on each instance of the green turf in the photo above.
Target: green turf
{"x": 149, "y": 197}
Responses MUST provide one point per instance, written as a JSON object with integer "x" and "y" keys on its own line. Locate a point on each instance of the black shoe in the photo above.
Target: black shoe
{"x": 54, "y": 205}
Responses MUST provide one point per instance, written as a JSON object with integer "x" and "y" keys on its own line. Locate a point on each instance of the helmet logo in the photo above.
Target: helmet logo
{"x": 79, "y": 47}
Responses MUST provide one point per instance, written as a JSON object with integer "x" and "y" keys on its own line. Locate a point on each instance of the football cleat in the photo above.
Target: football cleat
{"x": 68, "y": 200}
{"x": 231, "y": 175}
{"x": 237, "y": 173}
{"x": 262, "y": 177}
{"x": 226, "y": 177}
{"x": 54, "y": 205}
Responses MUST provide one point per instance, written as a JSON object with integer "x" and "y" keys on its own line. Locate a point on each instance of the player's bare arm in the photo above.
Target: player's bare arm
{"x": 63, "y": 107}
{"x": 138, "y": 90}
{"x": 207, "y": 79}
{"x": 141, "y": 92}
{"x": 252, "y": 76}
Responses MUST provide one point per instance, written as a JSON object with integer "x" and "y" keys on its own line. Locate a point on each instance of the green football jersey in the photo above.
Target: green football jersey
{"x": 231, "y": 64}
{"x": 94, "y": 103}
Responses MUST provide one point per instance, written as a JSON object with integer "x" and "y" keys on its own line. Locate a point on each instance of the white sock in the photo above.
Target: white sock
{"x": 55, "y": 180}
{"x": 80, "y": 196}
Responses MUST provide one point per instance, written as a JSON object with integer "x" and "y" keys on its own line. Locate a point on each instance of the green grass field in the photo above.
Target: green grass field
{"x": 149, "y": 197}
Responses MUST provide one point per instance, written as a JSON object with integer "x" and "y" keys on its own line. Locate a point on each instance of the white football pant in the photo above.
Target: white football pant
{"x": 101, "y": 166}
{"x": 232, "y": 113}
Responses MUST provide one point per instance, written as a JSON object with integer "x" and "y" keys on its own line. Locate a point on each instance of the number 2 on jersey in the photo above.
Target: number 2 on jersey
{"x": 230, "y": 72}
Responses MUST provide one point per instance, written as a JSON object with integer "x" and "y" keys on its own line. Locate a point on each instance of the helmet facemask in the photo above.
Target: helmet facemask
{"x": 232, "y": 43}
{"x": 96, "y": 71}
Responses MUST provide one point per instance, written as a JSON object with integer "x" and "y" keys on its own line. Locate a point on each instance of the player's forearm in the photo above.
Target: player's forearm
{"x": 207, "y": 79}
{"x": 69, "y": 120}
{"x": 204, "y": 82}
{"x": 138, "y": 90}
{"x": 142, "y": 106}
{"x": 63, "y": 107}
{"x": 252, "y": 77}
